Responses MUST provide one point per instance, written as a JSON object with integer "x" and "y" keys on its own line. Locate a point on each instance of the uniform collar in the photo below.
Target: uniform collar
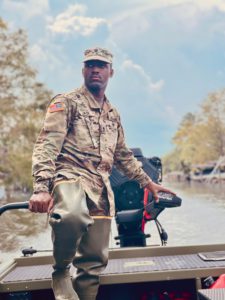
{"x": 93, "y": 103}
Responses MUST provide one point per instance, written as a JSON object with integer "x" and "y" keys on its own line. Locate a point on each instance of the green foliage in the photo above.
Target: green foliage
{"x": 23, "y": 100}
{"x": 200, "y": 137}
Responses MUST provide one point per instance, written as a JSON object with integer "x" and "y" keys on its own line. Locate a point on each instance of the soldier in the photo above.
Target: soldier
{"x": 81, "y": 139}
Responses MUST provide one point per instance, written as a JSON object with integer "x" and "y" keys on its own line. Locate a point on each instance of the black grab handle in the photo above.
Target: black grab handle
{"x": 15, "y": 205}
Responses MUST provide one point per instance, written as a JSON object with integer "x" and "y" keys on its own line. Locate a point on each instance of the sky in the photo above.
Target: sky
{"x": 168, "y": 56}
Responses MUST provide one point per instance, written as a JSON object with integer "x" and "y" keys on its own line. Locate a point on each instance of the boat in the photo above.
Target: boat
{"x": 212, "y": 172}
{"x": 132, "y": 273}
{"x": 135, "y": 271}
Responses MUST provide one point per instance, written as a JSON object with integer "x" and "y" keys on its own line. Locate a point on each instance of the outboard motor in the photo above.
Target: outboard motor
{"x": 136, "y": 206}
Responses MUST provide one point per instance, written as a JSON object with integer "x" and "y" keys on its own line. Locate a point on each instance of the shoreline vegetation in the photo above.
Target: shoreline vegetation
{"x": 199, "y": 142}
{"x": 199, "y": 139}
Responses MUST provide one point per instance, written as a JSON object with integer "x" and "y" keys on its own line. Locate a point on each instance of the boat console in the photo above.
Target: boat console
{"x": 136, "y": 206}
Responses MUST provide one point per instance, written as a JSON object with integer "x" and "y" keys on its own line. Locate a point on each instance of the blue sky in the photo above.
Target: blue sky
{"x": 168, "y": 55}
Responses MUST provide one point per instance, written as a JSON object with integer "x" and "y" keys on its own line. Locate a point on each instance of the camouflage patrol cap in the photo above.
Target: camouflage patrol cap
{"x": 98, "y": 54}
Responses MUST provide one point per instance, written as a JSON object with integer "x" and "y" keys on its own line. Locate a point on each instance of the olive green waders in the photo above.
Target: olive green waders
{"x": 74, "y": 240}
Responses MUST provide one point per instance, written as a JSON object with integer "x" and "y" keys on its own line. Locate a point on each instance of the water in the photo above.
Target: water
{"x": 200, "y": 220}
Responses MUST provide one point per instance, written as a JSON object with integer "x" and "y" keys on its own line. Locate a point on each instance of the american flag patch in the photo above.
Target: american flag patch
{"x": 58, "y": 106}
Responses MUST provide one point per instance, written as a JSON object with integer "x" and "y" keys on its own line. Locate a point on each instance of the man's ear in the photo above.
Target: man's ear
{"x": 111, "y": 72}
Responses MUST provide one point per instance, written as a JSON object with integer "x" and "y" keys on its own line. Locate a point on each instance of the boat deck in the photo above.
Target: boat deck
{"x": 118, "y": 268}
{"x": 213, "y": 294}
{"x": 134, "y": 265}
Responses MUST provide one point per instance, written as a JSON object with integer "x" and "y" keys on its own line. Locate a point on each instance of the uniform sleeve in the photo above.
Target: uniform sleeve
{"x": 49, "y": 143}
{"x": 126, "y": 162}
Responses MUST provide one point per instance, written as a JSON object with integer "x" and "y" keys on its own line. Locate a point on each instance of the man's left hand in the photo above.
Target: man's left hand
{"x": 154, "y": 188}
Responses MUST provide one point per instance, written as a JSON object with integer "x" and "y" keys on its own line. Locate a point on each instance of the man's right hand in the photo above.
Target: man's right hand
{"x": 41, "y": 203}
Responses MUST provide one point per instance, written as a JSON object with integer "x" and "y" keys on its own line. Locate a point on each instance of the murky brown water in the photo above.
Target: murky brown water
{"x": 200, "y": 220}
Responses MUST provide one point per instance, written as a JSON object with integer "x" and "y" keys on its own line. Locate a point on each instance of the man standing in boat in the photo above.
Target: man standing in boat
{"x": 81, "y": 139}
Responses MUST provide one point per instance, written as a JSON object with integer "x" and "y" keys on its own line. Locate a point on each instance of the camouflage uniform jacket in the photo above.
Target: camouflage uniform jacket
{"x": 81, "y": 140}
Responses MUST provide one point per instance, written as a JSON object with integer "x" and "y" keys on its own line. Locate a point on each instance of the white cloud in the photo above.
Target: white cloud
{"x": 151, "y": 86}
{"x": 210, "y": 4}
{"x": 27, "y": 8}
{"x": 53, "y": 65}
{"x": 37, "y": 54}
{"x": 73, "y": 20}
{"x": 42, "y": 53}
{"x": 147, "y": 6}
{"x": 187, "y": 12}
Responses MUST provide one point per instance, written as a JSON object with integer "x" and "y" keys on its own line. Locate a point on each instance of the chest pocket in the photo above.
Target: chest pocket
{"x": 84, "y": 135}
{"x": 109, "y": 129}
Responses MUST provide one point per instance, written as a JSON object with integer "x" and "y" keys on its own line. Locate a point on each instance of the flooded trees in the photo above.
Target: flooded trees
{"x": 23, "y": 100}
{"x": 200, "y": 137}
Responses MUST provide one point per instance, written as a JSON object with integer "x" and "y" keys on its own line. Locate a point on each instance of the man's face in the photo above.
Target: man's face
{"x": 96, "y": 74}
